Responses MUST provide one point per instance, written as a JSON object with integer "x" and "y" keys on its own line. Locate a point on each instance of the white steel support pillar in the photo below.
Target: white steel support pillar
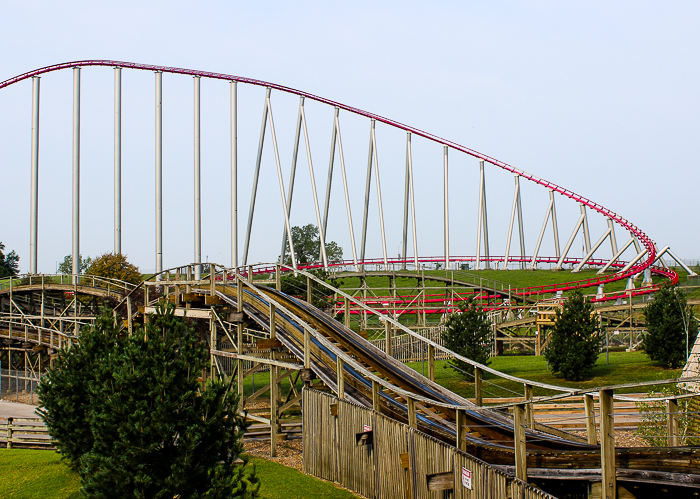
{"x": 616, "y": 256}
{"x": 555, "y": 226}
{"x": 379, "y": 195}
{"x": 292, "y": 176}
{"x": 321, "y": 234}
{"x": 613, "y": 239}
{"x": 446, "y": 208}
{"x": 409, "y": 158}
{"x": 482, "y": 229}
{"x": 516, "y": 198}
{"x": 368, "y": 186}
{"x": 590, "y": 252}
{"x": 586, "y": 233}
{"x": 329, "y": 180}
{"x": 159, "y": 173}
{"x": 533, "y": 264}
{"x": 117, "y": 160}
{"x": 34, "y": 222}
{"x": 406, "y": 194}
{"x": 345, "y": 190}
{"x": 256, "y": 177}
{"x": 234, "y": 174}
{"x": 197, "y": 182}
{"x": 581, "y": 221}
{"x": 76, "y": 174}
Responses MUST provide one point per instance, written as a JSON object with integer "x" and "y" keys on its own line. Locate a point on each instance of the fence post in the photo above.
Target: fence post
{"x": 520, "y": 446}
{"x": 9, "y": 433}
{"x": 672, "y": 422}
{"x": 346, "y": 313}
{"x": 387, "y": 347}
{"x": 431, "y": 362}
{"x": 460, "y": 423}
{"x": 590, "y": 418}
{"x": 278, "y": 278}
{"x": 607, "y": 445}
{"x": 478, "y": 374}
{"x": 529, "y": 413}
{"x": 309, "y": 290}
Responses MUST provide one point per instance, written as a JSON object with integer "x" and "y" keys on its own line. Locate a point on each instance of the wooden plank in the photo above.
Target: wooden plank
{"x": 441, "y": 481}
{"x": 405, "y": 460}
{"x": 268, "y": 344}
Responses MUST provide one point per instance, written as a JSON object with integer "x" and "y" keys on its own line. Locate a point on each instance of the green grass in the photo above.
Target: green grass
{"x": 624, "y": 367}
{"x": 36, "y": 474}
{"x": 40, "y": 474}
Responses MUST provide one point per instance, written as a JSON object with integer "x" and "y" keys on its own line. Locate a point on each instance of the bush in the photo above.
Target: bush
{"x": 468, "y": 333}
{"x": 114, "y": 266}
{"x": 129, "y": 414}
{"x": 653, "y": 425}
{"x": 574, "y": 343}
{"x": 671, "y": 327}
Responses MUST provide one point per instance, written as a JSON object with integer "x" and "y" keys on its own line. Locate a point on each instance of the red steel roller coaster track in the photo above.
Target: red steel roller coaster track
{"x": 636, "y": 232}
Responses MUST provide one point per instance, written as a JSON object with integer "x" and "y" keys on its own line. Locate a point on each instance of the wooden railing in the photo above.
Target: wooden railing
{"x": 24, "y": 433}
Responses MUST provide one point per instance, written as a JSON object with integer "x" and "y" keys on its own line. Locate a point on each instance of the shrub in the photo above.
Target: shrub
{"x": 574, "y": 343}
{"x": 114, "y": 266}
{"x": 468, "y": 333}
{"x": 671, "y": 327}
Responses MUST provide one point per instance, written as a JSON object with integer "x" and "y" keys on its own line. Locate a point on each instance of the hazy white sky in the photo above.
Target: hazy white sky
{"x": 599, "y": 97}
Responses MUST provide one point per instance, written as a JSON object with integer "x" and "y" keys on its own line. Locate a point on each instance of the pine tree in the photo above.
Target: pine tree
{"x": 468, "y": 333}
{"x": 667, "y": 318}
{"x": 574, "y": 343}
{"x": 155, "y": 433}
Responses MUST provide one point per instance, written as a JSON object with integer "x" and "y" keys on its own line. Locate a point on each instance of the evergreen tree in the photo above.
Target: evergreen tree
{"x": 671, "y": 327}
{"x": 574, "y": 343}
{"x": 468, "y": 333}
{"x": 155, "y": 433}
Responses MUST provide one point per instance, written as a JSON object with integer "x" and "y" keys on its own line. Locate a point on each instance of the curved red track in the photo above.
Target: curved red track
{"x": 641, "y": 236}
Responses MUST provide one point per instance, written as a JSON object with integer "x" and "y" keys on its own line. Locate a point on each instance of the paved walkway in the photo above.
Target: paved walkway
{"x": 15, "y": 410}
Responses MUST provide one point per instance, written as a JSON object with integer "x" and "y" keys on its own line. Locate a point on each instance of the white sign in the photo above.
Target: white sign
{"x": 467, "y": 478}
{"x": 367, "y": 428}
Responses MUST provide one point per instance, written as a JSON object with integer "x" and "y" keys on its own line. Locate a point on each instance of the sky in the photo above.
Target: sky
{"x": 598, "y": 97}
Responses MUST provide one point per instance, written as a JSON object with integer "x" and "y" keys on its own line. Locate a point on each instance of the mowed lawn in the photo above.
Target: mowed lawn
{"x": 624, "y": 367}
{"x": 40, "y": 474}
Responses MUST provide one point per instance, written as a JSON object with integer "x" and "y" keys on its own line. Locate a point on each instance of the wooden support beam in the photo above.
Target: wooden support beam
{"x": 529, "y": 413}
{"x": 590, "y": 419}
{"x": 520, "y": 445}
{"x": 387, "y": 336}
{"x": 309, "y": 290}
{"x": 672, "y": 422}
{"x": 431, "y": 362}
{"x": 346, "y": 312}
{"x": 278, "y": 278}
{"x": 412, "y": 416}
{"x": 478, "y": 392}
{"x": 460, "y": 424}
{"x": 340, "y": 378}
{"x": 376, "y": 396}
{"x": 607, "y": 445}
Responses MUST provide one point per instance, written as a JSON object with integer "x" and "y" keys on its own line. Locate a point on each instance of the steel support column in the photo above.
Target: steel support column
{"x": 256, "y": 177}
{"x": 117, "y": 160}
{"x": 76, "y": 174}
{"x": 197, "y": 182}
{"x": 159, "y": 173}
{"x": 446, "y": 208}
{"x": 34, "y": 222}
{"x": 234, "y": 174}
{"x": 292, "y": 176}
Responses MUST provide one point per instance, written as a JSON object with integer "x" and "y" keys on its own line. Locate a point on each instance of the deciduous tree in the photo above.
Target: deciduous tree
{"x": 114, "y": 266}
{"x": 307, "y": 246}
{"x": 9, "y": 264}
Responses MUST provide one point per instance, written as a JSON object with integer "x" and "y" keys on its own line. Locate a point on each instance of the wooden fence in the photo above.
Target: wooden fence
{"x": 407, "y": 348}
{"x": 381, "y": 458}
{"x": 24, "y": 433}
